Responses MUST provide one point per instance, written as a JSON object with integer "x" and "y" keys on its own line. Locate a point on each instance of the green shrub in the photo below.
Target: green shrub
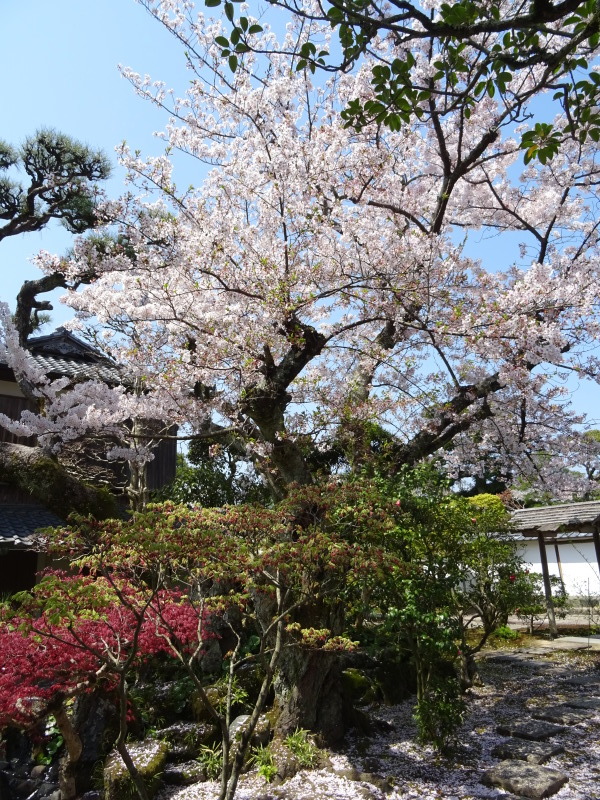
{"x": 302, "y": 747}
{"x": 506, "y": 633}
{"x": 211, "y": 759}
{"x": 440, "y": 712}
{"x": 51, "y": 743}
{"x": 263, "y": 759}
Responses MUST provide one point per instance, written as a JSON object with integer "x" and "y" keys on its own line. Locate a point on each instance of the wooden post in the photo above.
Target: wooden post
{"x": 596, "y": 536}
{"x": 560, "y": 569}
{"x": 547, "y": 587}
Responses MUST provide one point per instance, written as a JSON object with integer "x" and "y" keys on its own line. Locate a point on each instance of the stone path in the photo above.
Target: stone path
{"x": 571, "y": 643}
{"x": 520, "y": 771}
{"x": 388, "y": 763}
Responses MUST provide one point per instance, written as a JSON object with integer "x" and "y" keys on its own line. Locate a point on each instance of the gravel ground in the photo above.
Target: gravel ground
{"x": 400, "y": 769}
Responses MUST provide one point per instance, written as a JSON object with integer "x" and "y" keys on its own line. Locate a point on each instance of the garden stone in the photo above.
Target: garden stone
{"x": 212, "y": 659}
{"x": 261, "y": 734}
{"x": 179, "y": 754}
{"x": 533, "y": 651}
{"x": 385, "y": 784}
{"x": 5, "y": 793}
{"x": 592, "y": 703}
{"x": 531, "y": 729}
{"x": 217, "y": 697}
{"x": 97, "y": 724}
{"x": 585, "y": 680}
{"x": 45, "y": 789}
{"x": 526, "y": 780}
{"x": 186, "y": 738}
{"x": 565, "y": 644}
{"x": 38, "y": 771}
{"x": 316, "y": 791}
{"x": 149, "y": 757}
{"x": 358, "y": 687}
{"x": 563, "y": 714}
{"x": 285, "y": 761}
{"x": 236, "y": 726}
{"x": 25, "y": 788}
{"x": 184, "y": 774}
{"x": 532, "y": 752}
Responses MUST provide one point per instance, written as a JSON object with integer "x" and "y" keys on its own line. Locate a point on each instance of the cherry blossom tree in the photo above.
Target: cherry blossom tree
{"x": 503, "y": 39}
{"x": 322, "y": 277}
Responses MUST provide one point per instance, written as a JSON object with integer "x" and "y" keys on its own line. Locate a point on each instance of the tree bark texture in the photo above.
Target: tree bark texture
{"x": 68, "y": 763}
{"x": 309, "y": 694}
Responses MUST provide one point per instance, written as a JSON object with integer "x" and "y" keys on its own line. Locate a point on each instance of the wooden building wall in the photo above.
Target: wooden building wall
{"x": 162, "y": 469}
{"x": 12, "y": 406}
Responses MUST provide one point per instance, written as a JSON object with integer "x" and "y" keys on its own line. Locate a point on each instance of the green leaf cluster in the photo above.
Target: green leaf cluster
{"x": 237, "y": 42}
{"x": 478, "y": 49}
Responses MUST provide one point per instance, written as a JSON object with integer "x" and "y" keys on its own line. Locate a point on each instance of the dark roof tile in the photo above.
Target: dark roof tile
{"x": 63, "y": 366}
{"x": 19, "y": 521}
{"x": 61, "y": 354}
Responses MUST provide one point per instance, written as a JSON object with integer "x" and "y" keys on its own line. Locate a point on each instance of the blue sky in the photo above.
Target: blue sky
{"x": 59, "y": 62}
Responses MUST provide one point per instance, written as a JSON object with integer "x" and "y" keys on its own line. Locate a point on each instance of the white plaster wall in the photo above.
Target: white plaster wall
{"x": 578, "y": 561}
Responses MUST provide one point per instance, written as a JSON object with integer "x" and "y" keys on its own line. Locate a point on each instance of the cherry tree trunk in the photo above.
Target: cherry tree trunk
{"x": 309, "y": 693}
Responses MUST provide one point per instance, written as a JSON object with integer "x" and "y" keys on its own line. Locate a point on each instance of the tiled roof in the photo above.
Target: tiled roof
{"x": 18, "y": 523}
{"x": 56, "y": 366}
{"x": 61, "y": 354}
{"x": 579, "y": 517}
